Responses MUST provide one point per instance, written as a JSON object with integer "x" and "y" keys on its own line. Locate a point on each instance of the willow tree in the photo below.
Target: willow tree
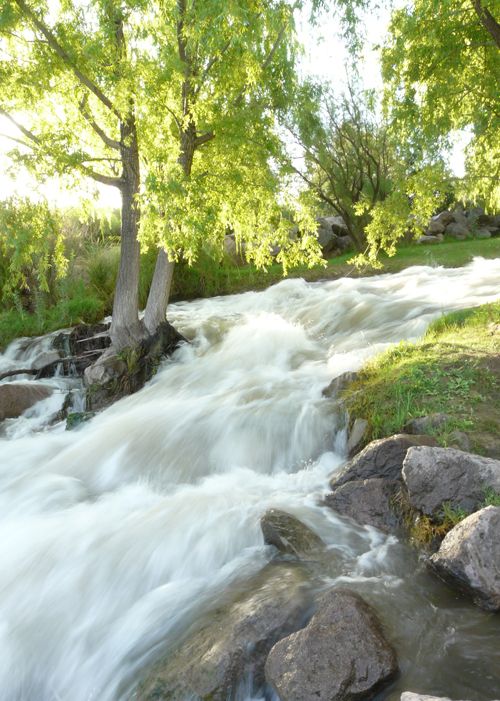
{"x": 441, "y": 63}
{"x": 174, "y": 103}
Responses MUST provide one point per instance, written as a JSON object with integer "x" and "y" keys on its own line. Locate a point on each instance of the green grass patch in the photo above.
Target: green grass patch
{"x": 454, "y": 369}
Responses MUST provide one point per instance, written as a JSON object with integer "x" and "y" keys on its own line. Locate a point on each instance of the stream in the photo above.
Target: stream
{"x": 117, "y": 536}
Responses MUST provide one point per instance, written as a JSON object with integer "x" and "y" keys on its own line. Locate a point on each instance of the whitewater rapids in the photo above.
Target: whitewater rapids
{"x": 115, "y": 537}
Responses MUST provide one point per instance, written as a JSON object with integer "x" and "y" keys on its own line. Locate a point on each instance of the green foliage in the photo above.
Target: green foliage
{"x": 452, "y": 371}
{"x": 441, "y": 67}
{"x": 491, "y": 497}
{"x": 349, "y": 158}
{"x": 31, "y": 251}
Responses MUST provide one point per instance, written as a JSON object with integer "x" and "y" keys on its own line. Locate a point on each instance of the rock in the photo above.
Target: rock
{"x": 458, "y": 231}
{"x": 234, "y": 250}
{"x": 469, "y": 557}
{"x": 434, "y": 476}
{"x": 336, "y": 223}
{"x": 114, "y": 376}
{"x": 326, "y": 237}
{"x": 342, "y": 654}
{"x": 16, "y": 397}
{"x": 429, "y": 239}
{"x": 459, "y": 217}
{"x": 424, "y": 424}
{"x": 460, "y": 440}
{"x": 380, "y": 458}
{"x": 338, "y": 384}
{"x": 233, "y": 641}
{"x": 483, "y": 234}
{"x": 368, "y": 502}
{"x": 443, "y": 218}
{"x": 357, "y": 437}
{"x": 344, "y": 243}
{"x": 437, "y": 225}
{"x": 411, "y": 696}
{"x": 289, "y": 535}
{"x": 76, "y": 418}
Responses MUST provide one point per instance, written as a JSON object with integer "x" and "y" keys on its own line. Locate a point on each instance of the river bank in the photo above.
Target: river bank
{"x": 136, "y": 529}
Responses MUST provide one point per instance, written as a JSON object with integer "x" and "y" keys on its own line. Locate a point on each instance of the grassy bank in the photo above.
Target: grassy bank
{"x": 454, "y": 369}
{"x": 87, "y": 292}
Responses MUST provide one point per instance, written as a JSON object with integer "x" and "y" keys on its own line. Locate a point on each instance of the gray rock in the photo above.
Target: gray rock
{"x": 437, "y": 225}
{"x": 424, "y": 424}
{"x": 460, "y": 440}
{"x": 411, "y": 696}
{"x": 338, "y": 384}
{"x": 444, "y": 218}
{"x": 434, "y": 476}
{"x": 16, "y": 397}
{"x": 483, "y": 234}
{"x": 336, "y": 223}
{"x": 344, "y": 243}
{"x": 233, "y": 641}
{"x": 341, "y": 654}
{"x": 289, "y": 535}
{"x": 469, "y": 557}
{"x": 380, "y": 458}
{"x": 357, "y": 436}
{"x": 458, "y": 231}
{"x": 368, "y": 502}
{"x": 429, "y": 239}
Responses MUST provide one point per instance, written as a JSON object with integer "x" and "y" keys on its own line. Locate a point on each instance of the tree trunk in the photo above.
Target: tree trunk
{"x": 488, "y": 21}
{"x": 159, "y": 292}
{"x": 126, "y": 329}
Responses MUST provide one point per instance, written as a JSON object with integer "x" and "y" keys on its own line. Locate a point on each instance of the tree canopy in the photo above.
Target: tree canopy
{"x": 441, "y": 65}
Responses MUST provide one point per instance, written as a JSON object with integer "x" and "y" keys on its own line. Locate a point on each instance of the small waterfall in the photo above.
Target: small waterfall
{"x": 115, "y": 537}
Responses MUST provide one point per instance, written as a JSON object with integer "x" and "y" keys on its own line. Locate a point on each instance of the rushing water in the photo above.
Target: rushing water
{"x": 113, "y": 538}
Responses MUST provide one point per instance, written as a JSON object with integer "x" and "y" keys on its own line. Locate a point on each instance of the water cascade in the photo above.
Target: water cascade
{"x": 116, "y": 536}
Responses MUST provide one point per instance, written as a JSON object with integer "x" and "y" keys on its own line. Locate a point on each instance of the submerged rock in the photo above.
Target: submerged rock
{"x": 16, "y": 397}
{"x": 368, "y": 502}
{"x": 289, "y": 535}
{"x": 341, "y": 654}
{"x": 339, "y": 383}
{"x": 434, "y": 476}
{"x": 381, "y": 458}
{"x": 234, "y": 641}
{"x": 469, "y": 558}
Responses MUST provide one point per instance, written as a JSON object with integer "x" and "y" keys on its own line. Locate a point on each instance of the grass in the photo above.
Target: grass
{"x": 87, "y": 293}
{"x": 454, "y": 369}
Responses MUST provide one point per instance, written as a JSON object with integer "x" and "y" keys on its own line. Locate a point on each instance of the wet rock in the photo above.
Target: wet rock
{"x": 338, "y": 384}
{"x": 233, "y": 641}
{"x": 76, "y": 418}
{"x": 469, "y": 558}
{"x": 368, "y": 502}
{"x": 436, "y": 475}
{"x": 357, "y": 436}
{"x": 341, "y": 654}
{"x": 117, "y": 375}
{"x": 381, "y": 458}
{"x": 16, "y": 397}
{"x": 289, "y": 535}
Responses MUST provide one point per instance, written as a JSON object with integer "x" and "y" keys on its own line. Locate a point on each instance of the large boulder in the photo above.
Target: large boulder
{"x": 458, "y": 231}
{"x": 380, "y": 458}
{"x": 341, "y": 654}
{"x": 289, "y": 535}
{"x": 16, "y": 397}
{"x": 469, "y": 557}
{"x": 368, "y": 502}
{"x": 234, "y": 641}
{"x": 329, "y": 231}
{"x": 434, "y": 476}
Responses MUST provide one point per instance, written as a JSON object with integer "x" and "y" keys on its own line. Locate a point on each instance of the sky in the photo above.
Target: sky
{"x": 325, "y": 57}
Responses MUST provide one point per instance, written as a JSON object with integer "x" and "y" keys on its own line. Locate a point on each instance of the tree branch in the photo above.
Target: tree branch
{"x": 64, "y": 56}
{"x": 27, "y": 133}
{"x": 204, "y": 138}
{"x": 488, "y": 21}
{"x": 111, "y": 143}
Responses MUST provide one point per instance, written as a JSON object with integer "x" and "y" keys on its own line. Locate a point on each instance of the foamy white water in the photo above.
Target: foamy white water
{"x": 114, "y": 537}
